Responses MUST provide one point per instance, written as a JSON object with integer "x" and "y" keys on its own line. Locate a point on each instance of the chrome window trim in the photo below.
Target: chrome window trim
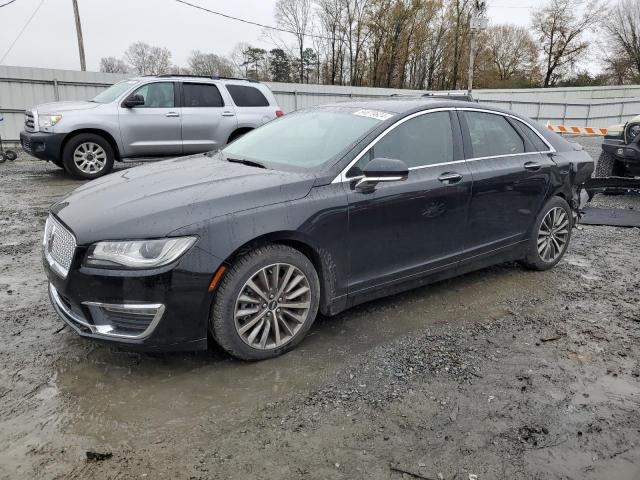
{"x": 342, "y": 176}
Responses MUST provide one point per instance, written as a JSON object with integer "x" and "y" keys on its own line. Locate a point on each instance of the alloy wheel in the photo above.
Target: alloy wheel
{"x": 90, "y": 157}
{"x": 553, "y": 234}
{"x": 272, "y": 306}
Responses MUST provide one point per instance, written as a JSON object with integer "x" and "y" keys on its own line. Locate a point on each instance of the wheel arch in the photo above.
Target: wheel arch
{"x": 96, "y": 131}
{"x": 238, "y": 132}
{"x": 321, "y": 260}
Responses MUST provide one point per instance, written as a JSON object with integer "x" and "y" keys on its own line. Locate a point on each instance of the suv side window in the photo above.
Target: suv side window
{"x": 536, "y": 141}
{"x": 424, "y": 140}
{"x": 157, "y": 95}
{"x": 201, "y": 95}
{"x": 492, "y": 135}
{"x": 244, "y": 96}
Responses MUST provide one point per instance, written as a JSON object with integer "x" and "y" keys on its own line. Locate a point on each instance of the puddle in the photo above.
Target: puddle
{"x": 123, "y": 397}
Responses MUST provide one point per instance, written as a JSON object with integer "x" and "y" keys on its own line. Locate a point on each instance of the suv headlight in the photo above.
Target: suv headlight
{"x": 48, "y": 121}
{"x": 138, "y": 253}
{"x": 632, "y": 132}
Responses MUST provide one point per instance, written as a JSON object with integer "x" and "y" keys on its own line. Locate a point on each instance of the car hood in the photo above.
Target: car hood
{"x": 153, "y": 200}
{"x": 59, "y": 107}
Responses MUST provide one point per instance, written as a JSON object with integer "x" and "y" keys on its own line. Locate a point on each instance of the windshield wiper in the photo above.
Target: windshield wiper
{"x": 249, "y": 163}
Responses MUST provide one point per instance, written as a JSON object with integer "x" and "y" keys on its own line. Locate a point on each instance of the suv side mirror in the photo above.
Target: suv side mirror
{"x": 382, "y": 170}
{"x": 133, "y": 101}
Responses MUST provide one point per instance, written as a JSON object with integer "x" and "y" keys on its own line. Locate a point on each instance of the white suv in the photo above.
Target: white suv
{"x": 146, "y": 118}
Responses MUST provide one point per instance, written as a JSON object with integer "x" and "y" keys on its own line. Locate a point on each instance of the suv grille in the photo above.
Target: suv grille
{"x": 59, "y": 246}
{"x": 29, "y": 120}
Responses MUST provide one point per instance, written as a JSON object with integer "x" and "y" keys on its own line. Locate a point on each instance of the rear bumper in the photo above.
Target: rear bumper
{"x": 45, "y": 146}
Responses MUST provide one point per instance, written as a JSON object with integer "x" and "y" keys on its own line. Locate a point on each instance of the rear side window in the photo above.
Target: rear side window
{"x": 536, "y": 141}
{"x": 244, "y": 96}
{"x": 201, "y": 95}
{"x": 422, "y": 141}
{"x": 492, "y": 135}
{"x": 157, "y": 95}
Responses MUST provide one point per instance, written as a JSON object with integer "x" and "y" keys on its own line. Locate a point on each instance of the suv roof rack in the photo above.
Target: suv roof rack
{"x": 465, "y": 97}
{"x": 210, "y": 77}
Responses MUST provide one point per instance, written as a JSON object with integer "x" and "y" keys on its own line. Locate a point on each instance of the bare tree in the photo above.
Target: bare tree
{"x": 209, "y": 64}
{"x": 623, "y": 28}
{"x": 295, "y": 16}
{"x": 113, "y": 65}
{"x": 560, "y": 28}
{"x": 148, "y": 60}
{"x": 511, "y": 50}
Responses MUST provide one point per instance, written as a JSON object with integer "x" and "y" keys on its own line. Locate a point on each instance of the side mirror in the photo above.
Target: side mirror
{"x": 133, "y": 101}
{"x": 382, "y": 170}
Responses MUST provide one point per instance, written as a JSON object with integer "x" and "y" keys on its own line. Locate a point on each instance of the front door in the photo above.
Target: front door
{"x": 155, "y": 128}
{"x": 510, "y": 181}
{"x": 406, "y": 228}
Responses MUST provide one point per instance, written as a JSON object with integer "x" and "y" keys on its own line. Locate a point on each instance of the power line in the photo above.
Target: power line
{"x": 21, "y": 32}
{"x": 8, "y": 3}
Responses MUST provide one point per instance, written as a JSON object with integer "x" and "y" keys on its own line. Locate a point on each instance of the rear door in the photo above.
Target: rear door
{"x": 155, "y": 128}
{"x": 510, "y": 180}
{"x": 207, "y": 122}
{"x": 410, "y": 227}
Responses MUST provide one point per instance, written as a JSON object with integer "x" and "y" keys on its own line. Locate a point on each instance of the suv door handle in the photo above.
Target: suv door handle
{"x": 228, "y": 114}
{"x": 172, "y": 114}
{"x": 532, "y": 166}
{"x": 450, "y": 177}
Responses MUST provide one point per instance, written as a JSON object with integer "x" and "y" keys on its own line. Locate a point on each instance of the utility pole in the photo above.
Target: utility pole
{"x": 479, "y": 22}
{"x": 76, "y": 12}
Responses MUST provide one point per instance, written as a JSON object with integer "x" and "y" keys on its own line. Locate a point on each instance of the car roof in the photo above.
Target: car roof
{"x": 398, "y": 105}
{"x": 176, "y": 76}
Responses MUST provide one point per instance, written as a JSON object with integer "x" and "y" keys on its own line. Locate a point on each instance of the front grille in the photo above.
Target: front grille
{"x": 59, "y": 246}
{"x": 26, "y": 144}
{"x": 29, "y": 120}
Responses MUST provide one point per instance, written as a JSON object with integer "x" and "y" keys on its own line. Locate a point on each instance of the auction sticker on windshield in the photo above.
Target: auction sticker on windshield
{"x": 378, "y": 115}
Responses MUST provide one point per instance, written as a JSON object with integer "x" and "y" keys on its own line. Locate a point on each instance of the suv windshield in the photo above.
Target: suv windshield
{"x": 114, "y": 91}
{"x": 306, "y": 139}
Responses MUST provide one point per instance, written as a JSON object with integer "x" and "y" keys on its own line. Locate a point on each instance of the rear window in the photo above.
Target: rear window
{"x": 201, "y": 95}
{"x": 244, "y": 96}
{"x": 536, "y": 141}
{"x": 492, "y": 135}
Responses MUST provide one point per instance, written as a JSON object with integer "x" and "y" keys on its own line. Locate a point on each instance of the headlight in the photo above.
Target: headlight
{"x": 632, "y": 132}
{"x": 138, "y": 253}
{"x": 48, "y": 121}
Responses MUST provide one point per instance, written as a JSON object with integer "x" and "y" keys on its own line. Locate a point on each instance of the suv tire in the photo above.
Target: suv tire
{"x": 87, "y": 156}
{"x": 553, "y": 227}
{"x": 606, "y": 166}
{"x": 267, "y": 310}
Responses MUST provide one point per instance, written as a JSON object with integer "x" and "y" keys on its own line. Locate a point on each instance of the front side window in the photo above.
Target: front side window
{"x": 418, "y": 142}
{"x": 201, "y": 95}
{"x": 492, "y": 135}
{"x": 303, "y": 140}
{"x": 157, "y": 95}
{"x": 244, "y": 96}
{"x": 114, "y": 91}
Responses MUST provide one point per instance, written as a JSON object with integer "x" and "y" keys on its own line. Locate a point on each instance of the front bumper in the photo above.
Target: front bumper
{"x": 45, "y": 146}
{"x": 162, "y": 310}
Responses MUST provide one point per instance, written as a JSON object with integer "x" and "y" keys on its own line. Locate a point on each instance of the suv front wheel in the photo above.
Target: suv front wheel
{"x": 88, "y": 156}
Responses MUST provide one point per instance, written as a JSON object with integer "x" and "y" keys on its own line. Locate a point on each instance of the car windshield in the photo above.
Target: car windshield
{"x": 305, "y": 139}
{"x": 114, "y": 91}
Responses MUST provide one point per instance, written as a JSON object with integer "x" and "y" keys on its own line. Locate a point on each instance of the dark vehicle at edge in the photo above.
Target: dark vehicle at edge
{"x": 317, "y": 211}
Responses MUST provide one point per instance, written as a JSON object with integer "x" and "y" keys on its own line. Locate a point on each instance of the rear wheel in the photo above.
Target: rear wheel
{"x": 88, "y": 156}
{"x": 265, "y": 303}
{"x": 11, "y": 155}
{"x": 606, "y": 166}
{"x": 550, "y": 235}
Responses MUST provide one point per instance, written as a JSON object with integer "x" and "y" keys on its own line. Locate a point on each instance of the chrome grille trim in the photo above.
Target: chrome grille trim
{"x": 59, "y": 246}
{"x": 30, "y": 121}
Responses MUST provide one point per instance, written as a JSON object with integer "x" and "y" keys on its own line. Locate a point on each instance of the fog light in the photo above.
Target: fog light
{"x": 620, "y": 152}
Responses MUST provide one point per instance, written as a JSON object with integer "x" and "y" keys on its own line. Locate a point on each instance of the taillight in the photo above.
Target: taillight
{"x": 279, "y": 113}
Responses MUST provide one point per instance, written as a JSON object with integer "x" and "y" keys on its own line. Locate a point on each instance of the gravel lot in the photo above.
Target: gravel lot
{"x": 503, "y": 374}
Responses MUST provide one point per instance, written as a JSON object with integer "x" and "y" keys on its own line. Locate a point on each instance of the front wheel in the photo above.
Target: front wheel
{"x": 11, "y": 155}
{"x": 88, "y": 156}
{"x": 265, "y": 303}
{"x": 550, "y": 235}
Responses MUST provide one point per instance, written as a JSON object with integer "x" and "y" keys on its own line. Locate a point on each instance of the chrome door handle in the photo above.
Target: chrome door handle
{"x": 228, "y": 114}
{"x": 450, "y": 177}
{"x": 172, "y": 114}
{"x": 532, "y": 166}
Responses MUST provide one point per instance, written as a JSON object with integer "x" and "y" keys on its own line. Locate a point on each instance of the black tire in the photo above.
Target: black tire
{"x": 11, "y": 155}
{"x": 606, "y": 166}
{"x": 533, "y": 259}
{"x": 81, "y": 139}
{"x": 222, "y": 322}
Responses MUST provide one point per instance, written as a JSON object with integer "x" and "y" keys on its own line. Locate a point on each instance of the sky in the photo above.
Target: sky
{"x": 110, "y": 26}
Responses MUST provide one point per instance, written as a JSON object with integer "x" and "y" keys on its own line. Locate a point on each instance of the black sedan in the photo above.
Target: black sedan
{"x": 314, "y": 212}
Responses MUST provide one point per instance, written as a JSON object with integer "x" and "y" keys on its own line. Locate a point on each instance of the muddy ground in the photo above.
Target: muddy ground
{"x": 502, "y": 374}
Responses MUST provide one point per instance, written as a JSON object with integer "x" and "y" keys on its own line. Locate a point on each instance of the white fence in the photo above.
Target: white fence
{"x": 22, "y": 87}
